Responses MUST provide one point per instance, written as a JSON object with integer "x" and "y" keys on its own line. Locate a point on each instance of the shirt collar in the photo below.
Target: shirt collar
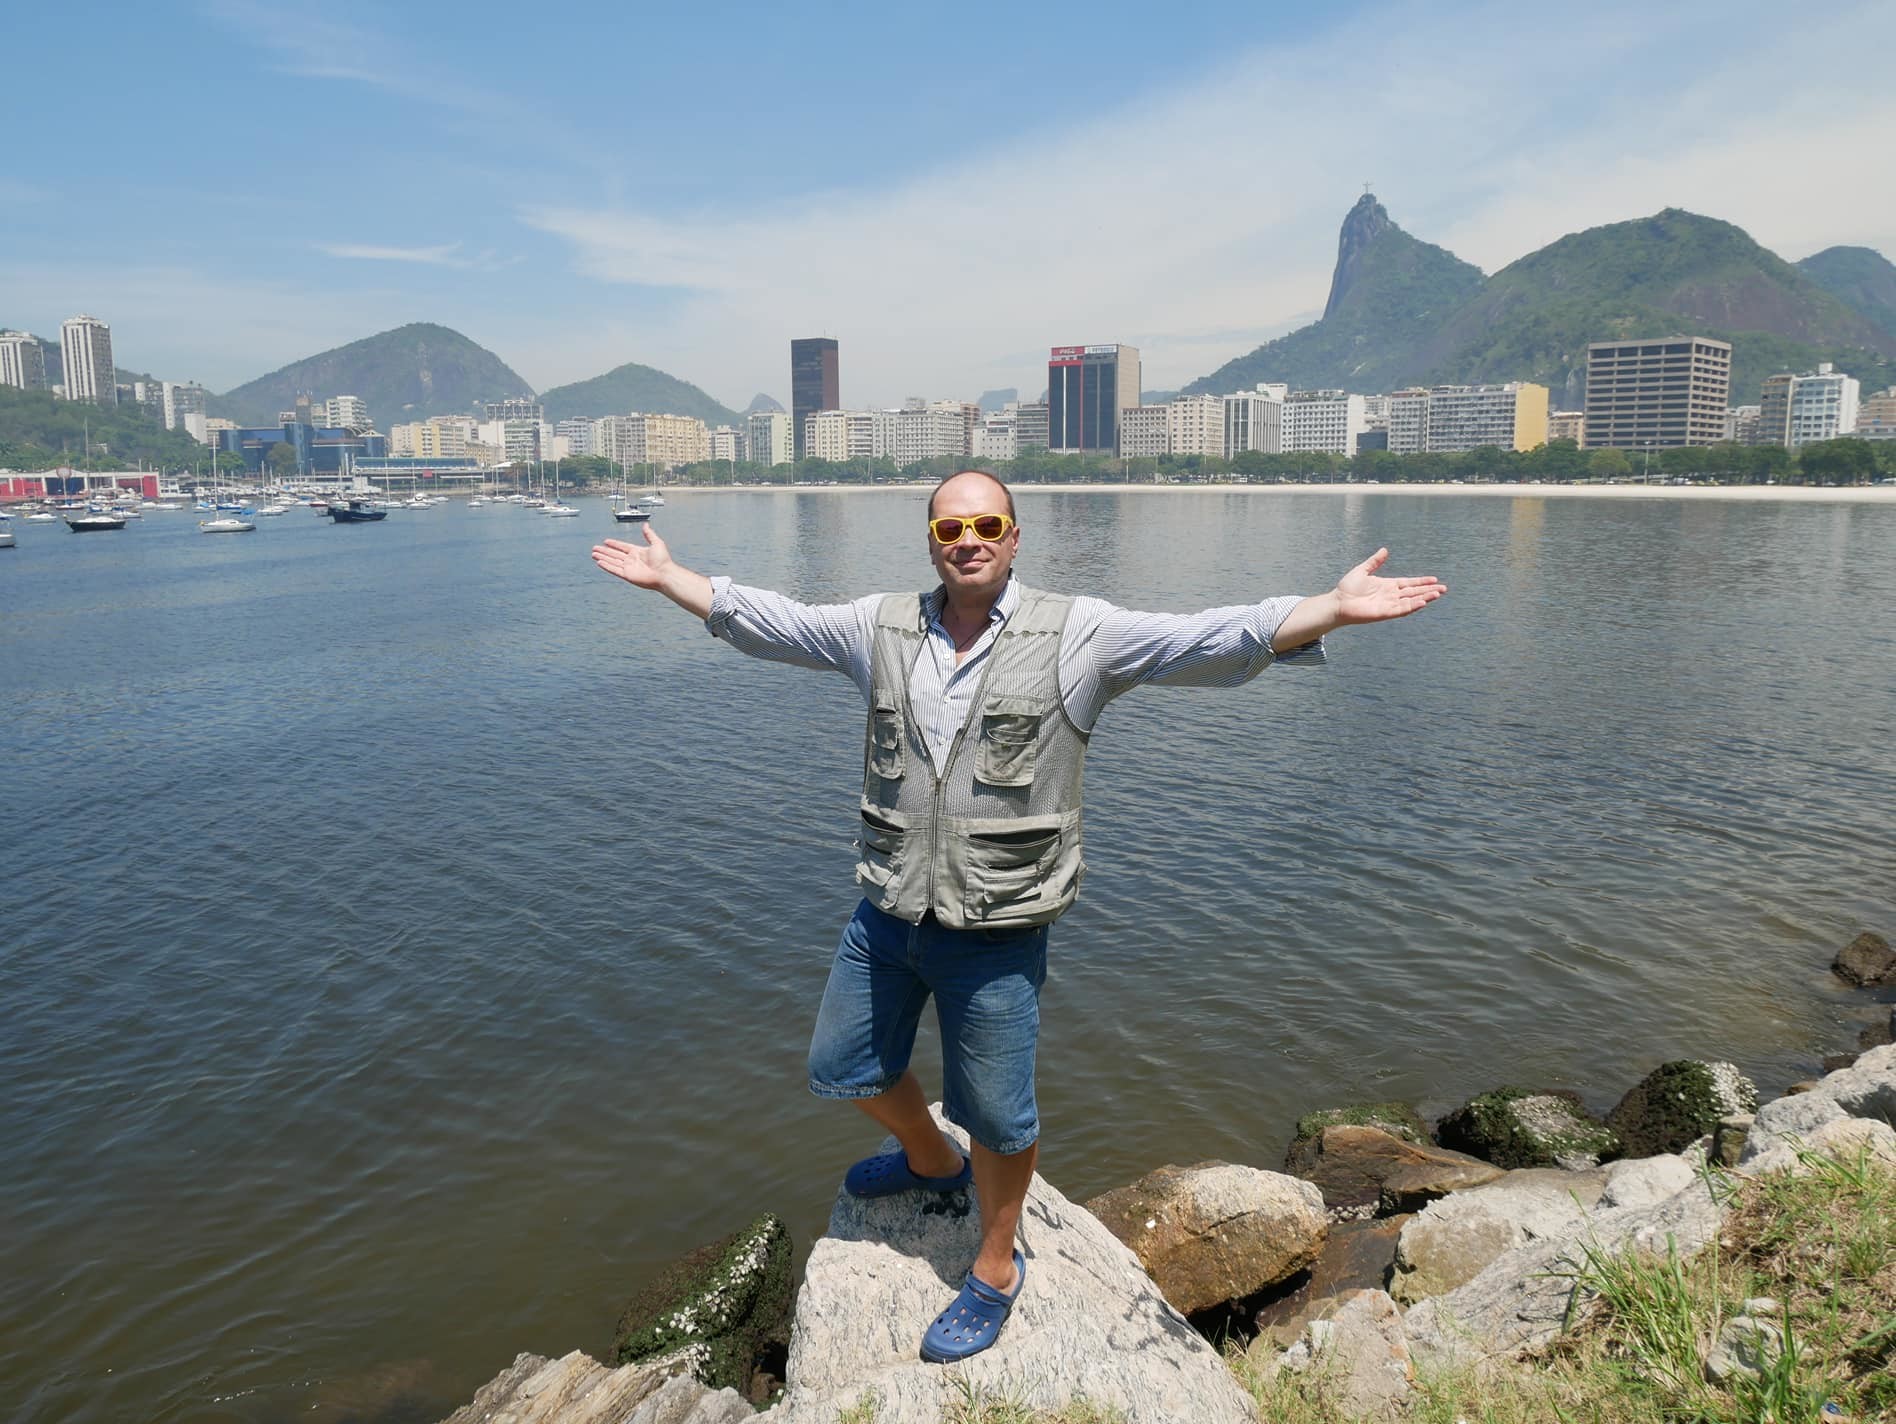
{"x": 1002, "y": 610}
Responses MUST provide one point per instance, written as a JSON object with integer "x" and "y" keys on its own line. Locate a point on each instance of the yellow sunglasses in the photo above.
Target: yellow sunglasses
{"x": 987, "y": 528}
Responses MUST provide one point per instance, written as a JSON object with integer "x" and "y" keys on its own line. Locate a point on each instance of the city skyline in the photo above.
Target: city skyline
{"x": 570, "y": 232}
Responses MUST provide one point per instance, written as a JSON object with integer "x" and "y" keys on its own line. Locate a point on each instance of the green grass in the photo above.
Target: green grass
{"x": 1823, "y": 1245}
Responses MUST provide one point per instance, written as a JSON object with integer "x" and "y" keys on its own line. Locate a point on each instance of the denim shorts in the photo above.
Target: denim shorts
{"x": 986, "y": 985}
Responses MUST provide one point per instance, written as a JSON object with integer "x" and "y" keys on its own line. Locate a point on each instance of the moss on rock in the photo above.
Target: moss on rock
{"x": 1515, "y": 1127}
{"x": 717, "y": 1307}
{"x": 1678, "y": 1103}
{"x": 1399, "y": 1120}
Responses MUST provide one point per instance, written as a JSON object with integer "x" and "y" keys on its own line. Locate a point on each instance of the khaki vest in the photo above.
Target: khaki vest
{"x": 993, "y": 842}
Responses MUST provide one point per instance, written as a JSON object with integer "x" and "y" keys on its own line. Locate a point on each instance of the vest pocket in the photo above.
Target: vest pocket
{"x": 1010, "y": 741}
{"x": 885, "y": 740}
{"x": 1010, "y": 871}
{"x": 878, "y": 849}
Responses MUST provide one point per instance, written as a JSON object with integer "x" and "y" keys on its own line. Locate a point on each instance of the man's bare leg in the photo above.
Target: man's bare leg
{"x": 904, "y": 1112}
{"x": 1001, "y": 1181}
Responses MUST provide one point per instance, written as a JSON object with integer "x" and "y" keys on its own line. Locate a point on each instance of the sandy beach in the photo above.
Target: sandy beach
{"x": 1812, "y": 494}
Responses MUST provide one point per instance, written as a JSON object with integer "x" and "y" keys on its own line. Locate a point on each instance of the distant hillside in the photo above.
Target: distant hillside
{"x": 634, "y": 387}
{"x": 406, "y": 374}
{"x": 1861, "y": 278}
{"x": 38, "y": 430}
{"x": 1402, "y": 312}
{"x": 992, "y": 401}
{"x": 760, "y": 401}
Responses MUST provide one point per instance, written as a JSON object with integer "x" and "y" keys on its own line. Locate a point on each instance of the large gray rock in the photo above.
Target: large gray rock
{"x": 1216, "y": 1232}
{"x": 1360, "y": 1354}
{"x": 1520, "y": 1302}
{"x": 1453, "y": 1240}
{"x": 1089, "y": 1322}
{"x": 1865, "y": 1089}
{"x": 577, "y": 1390}
{"x": 1841, "y": 1140}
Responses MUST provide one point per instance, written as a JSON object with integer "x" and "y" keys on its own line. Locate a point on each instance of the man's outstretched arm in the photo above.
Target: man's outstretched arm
{"x": 652, "y": 567}
{"x": 1359, "y": 597}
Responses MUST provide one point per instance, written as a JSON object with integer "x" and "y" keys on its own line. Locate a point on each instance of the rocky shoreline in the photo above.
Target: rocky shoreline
{"x": 1382, "y": 1246}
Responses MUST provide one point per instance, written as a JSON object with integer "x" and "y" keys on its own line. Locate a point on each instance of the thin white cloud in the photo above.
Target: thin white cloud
{"x": 447, "y": 254}
{"x": 1196, "y": 224}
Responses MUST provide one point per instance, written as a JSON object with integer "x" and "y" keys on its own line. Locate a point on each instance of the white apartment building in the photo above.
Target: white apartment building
{"x": 1741, "y": 424}
{"x": 619, "y": 439}
{"x": 1196, "y": 425}
{"x": 923, "y": 432}
{"x": 1253, "y": 420}
{"x": 441, "y": 439}
{"x": 768, "y": 433}
{"x": 1145, "y": 431}
{"x": 401, "y": 438}
{"x": 180, "y": 399}
{"x": 22, "y": 363}
{"x": 346, "y": 413}
{"x": 578, "y": 434}
{"x": 727, "y": 443}
{"x": 1030, "y": 426}
{"x": 1572, "y": 425}
{"x": 1322, "y": 420}
{"x": 675, "y": 440}
{"x": 1408, "y": 415}
{"x": 1801, "y": 409}
{"x": 1876, "y": 416}
{"x": 840, "y": 434}
{"x": 997, "y": 437}
{"x": 85, "y": 343}
{"x": 517, "y": 440}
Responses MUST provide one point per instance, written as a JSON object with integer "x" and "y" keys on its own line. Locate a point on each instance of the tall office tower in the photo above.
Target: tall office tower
{"x": 815, "y": 384}
{"x": 1798, "y": 410}
{"x": 86, "y": 344}
{"x": 1086, "y": 388}
{"x": 1656, "y": 394}
{"x": 22, "y": 363}
{"x": 769, "y": 437}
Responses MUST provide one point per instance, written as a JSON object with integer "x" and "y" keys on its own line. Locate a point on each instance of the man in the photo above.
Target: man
{"x": 982, "y": 696}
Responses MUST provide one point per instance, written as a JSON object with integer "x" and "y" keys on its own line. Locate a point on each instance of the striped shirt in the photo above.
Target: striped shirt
{"x": 1104, "y": 650}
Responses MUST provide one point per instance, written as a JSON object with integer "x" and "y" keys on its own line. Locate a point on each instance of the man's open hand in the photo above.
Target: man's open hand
{"x": 643, "y": 568}
{"x": 1362, "y": 597}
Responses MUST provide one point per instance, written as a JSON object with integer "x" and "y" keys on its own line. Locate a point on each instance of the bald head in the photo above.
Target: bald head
{"x": 974, "y": 480}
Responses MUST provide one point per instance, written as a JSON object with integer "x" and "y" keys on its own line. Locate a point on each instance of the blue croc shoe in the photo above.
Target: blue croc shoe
{"x": 974, "y": 1321}
{"x": 888, "y": 1174}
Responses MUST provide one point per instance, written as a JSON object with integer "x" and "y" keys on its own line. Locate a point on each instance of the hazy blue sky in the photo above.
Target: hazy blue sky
{"x": 949, "y": 190}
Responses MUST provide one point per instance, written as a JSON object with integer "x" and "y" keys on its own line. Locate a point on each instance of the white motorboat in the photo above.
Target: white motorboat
{"x": 6, "y": 533}
{"x": 270, "y": 510}
{"x": 654, "y": 500}
{"x": 45, "y": 516}
{"x": 228, "y": 524}
{"x": 560, "y": 511}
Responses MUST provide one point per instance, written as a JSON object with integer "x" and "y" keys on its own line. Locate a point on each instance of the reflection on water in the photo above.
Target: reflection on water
{"x": 412, "y": 935}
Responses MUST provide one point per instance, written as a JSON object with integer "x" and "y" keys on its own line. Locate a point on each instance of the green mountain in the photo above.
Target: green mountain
{"x": 1390, "y": 291}
{"x": 633, "y": 387}
{"x": 1404, "y": 313}
{"x": 1861, "y": 278}
{"x": 410, "y": 373}
{"x": 38, "y": 431}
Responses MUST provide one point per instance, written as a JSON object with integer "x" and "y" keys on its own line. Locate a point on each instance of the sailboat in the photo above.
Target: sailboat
{"x": 556, "y": 509}
{"x": 232, "y": 522}
{"x": 628, "y": 512}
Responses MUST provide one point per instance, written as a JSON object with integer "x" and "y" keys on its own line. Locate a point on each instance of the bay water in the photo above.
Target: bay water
{"x": 409, "y": 936}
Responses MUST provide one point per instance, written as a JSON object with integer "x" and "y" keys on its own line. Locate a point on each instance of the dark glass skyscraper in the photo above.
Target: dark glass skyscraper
{"x": 1087, "y": 386}
{"x": 814, "y": 383}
